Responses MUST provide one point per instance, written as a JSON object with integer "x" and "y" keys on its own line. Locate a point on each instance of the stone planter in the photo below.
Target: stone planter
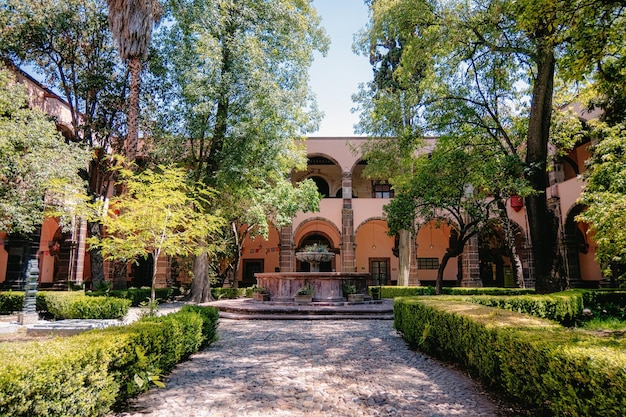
{"x": 356, "y": 298}
{"x": 303, "y": 299}
{"x": 260, "y": 296}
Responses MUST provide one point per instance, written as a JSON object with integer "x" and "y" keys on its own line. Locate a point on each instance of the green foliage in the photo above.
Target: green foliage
{"x": 306, "y": 290}
{"x": 537, "y": 362}
{"x": 605, "y": 194}
{"x": 69, "y": 44}
{"x": 158, "y": 214}
{"x": 228, "y": 293}
{"x": 137, "y": 295}
{"x": 395, "y": 291}
{"x": 11, "y": 301}
{"x": 563, "y": 307}
{"x": 68, "y": 305}
{"x": 86, "y": 375}
{"x": 36, "y": 163}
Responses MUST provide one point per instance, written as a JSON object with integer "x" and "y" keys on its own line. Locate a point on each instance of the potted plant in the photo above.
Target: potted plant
{"x": 304, "y": 295}
{"x": 260, "y": 294}
{"x": 349, "y": 290}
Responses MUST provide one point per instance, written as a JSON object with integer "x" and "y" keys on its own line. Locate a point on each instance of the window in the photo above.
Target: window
{"x": 381, "y": 189}
{"x": 427, "y": 263}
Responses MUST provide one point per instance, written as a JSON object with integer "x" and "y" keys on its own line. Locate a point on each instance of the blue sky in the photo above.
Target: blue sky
{"x": 336, "y": 77}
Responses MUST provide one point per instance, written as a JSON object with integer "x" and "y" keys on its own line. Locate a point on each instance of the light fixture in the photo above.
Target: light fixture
{"x": 373, "y": 238}
{"x": 431, "y": 237}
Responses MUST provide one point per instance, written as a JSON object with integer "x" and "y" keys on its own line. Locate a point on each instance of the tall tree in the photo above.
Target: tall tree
{"x": 131, "y": 22}
{"x": 39, "y": 171}
{"x": 157, "y": 215}
{"x": 68, "y": 43}
{"x": 489, "y": 67}
{"x": 235, "y": 76}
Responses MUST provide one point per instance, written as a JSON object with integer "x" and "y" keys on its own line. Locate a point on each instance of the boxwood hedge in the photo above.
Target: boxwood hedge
{"x": 76, "y": 305}
{"x": 393, "y": 291}
{"x": 536, "y": 361}
{"x": 89, "y": 374}
{"x": 11, "y": 301}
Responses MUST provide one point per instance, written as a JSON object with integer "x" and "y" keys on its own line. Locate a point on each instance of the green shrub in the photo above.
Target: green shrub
{"x": 11, "y": 301}
{"x": 68, "y": 305}
{"x": 536, "y": 361}
{"x": 137, "y": 295}
{"x": 394, "y": 291}
{"x": 228, "y": 293}
{"x": 86, "y": 375}
{"x": 563, "y": 307}
{"x": 210, "y": 318}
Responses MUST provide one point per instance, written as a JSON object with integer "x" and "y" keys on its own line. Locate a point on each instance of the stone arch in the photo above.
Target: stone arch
{"x": 432, "y": 240}
{"x": 317, "y": 231}
{"x": 317, "y": 225}
{"x": 325, "y": 171}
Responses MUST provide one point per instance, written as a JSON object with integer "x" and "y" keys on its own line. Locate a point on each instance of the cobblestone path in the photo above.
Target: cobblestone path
{"x": 312, "y": 368}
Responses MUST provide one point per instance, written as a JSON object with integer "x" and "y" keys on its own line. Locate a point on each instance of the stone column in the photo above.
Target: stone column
{"x": 471, "y": 264}
{"x": 286, "y": 259}
{"x": 348, "y": 253}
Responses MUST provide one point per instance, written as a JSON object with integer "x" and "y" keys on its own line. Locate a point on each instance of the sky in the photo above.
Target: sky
{"x": 336, "y": 77}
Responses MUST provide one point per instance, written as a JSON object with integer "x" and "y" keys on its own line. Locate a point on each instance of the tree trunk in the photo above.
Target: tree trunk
{"x": 132, "y": 135}
{"x": 442, "y": 267}
{"x": 404, "y": 258}
{"x": 540, "y": 221}
{"x": 155, "y": 257}
{"x": 201, "y": 284}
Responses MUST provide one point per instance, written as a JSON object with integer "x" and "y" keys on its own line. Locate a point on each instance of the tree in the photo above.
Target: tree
{"x": 235, "y": 75}
{"x": 489, "y": 68}
{"x": 605, "y": 196}
{"x": 159, "y": 214}
{"x": 604, "y": 193}
{"x": 39, "y": 171}
{"x": 131, "y": 23}
{"x": 69, "y": 45}
{"x": 461, "y": 194}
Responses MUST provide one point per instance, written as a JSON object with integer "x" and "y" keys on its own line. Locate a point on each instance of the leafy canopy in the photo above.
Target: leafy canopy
{"x": 159, "y": 213}
{"x": 38, "y": 170}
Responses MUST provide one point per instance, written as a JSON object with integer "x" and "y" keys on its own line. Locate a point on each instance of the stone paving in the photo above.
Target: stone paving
{"x": 328, "y": 368}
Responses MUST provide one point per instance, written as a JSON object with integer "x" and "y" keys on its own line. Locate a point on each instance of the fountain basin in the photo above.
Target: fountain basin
{"x": 314, "y": 258}
{"x": 327, "y": 286}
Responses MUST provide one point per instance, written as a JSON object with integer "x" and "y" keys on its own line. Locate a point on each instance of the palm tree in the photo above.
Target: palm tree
{"x": 131, "y": 23}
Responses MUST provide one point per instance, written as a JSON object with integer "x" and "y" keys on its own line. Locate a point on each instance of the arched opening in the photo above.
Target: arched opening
{"x": 315, "y": 238}
{"x": 580, "y": 252}
{"x": 142, "y": 271}
{"x": 496, "y": 265}
{"x": 322, "y": 186}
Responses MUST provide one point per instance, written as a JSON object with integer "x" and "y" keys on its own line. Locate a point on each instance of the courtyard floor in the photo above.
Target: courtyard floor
{"x": 327, "y": 368}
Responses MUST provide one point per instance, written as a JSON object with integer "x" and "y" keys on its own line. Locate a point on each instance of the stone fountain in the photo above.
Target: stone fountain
{"x": 327, "y": 286}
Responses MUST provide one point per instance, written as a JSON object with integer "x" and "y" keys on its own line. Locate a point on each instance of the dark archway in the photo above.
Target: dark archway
{"x": 312, "y": 239}
{"x": 322, "y": 186}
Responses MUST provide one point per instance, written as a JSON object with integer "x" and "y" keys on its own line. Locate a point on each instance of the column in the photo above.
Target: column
{"x": 348, "y": 253}
{"x": 287, "y": 256}
{"x": 471, "y": 264}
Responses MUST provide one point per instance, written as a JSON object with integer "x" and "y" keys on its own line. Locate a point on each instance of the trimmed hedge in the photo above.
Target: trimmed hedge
{"x": 11, "y": 301}
{"x": 228, "y": 293}
{"x": 88, "y": 374}
{"x": 536, "y": 361}
{"x": 137, "y": 295}
{"x": 394, "y": 291}
{"x": 563, "y": 307}
{"x": 76, "y": 305}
